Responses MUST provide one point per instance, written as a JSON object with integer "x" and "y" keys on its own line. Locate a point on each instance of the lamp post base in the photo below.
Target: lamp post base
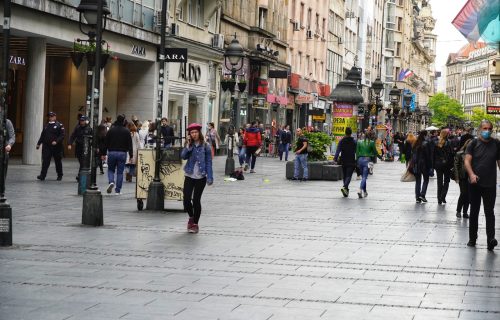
{"x": 156, "y": 196}
{"x": 83, "y": 181}
{"x": 5, "y": 225}
{"x": 92, "y": 210}
{"x": 229, "y": 166}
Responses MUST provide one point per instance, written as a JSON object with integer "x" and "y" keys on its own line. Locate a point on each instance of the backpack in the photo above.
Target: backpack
{"x": 459, "y": 171}
{"x": 441, "y": 157}
{"x": 238, "y": 175}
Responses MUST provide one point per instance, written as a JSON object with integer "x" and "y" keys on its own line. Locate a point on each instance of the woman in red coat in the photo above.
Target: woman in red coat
{"x": 252, "y": 141}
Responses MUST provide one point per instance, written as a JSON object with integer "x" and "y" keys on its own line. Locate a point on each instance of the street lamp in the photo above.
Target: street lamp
{"x": 5, "y": 209}
{"x": 355, "y": 75}
{"x": 377, "y": 88}
{"x": 88, "y": 9}
{"x": 394, "y": 98}
{"x": 92, "y": 210}
{"x": 234, "y": 54}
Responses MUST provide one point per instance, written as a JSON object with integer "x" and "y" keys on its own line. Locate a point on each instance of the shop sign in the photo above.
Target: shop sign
{"x": 17, "y": 60}
{"x": 175, "y": 54}
{"x": 138, "y": 50}
{"x": 343, "y": 117}
{"x": 319, "y": 117}
{"x": 342, "y": 110}
{"x": 190, "y": 72}
{"x": 260, "y": 104}
{"x": 281, "y": 100}
{"x": 493, "y": 109}
{"x": 304, "y": 98}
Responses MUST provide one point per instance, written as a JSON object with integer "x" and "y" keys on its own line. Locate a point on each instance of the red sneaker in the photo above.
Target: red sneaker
{"x": 194, "y": 228}
{"x": 190, "y": 224}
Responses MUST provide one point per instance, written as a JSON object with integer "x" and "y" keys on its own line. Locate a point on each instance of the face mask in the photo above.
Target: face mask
{"x": 486, "y": 134}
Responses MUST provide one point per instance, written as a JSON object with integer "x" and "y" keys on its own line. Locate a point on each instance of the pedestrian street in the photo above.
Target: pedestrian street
{"x": 268, "y": 248}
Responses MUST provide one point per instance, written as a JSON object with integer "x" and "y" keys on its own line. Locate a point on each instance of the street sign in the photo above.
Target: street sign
{"x": 319, "y": 117}
{"x": 175, "y": 54}
{"x": 493, "y": 109}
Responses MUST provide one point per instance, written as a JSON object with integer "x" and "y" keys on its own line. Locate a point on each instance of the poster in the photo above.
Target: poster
{"x": 343, "y": 117}
{"x": 171, "y": 174}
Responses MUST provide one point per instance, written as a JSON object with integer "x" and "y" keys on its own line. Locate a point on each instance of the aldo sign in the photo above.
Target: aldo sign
{"x": 190, "y": 72}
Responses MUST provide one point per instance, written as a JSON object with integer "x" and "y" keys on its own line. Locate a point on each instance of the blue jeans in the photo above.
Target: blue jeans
{"x": 363, "y": 167}
{"x": 116, "y": 161}
{"x": 283, "y": 148}
{"x": 300, "y": 161}
{"x": 421, "y": 188}
{"x": 242, "y": 154}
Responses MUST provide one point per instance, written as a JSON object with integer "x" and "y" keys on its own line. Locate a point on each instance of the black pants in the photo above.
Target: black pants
{"x": 488, "y": 194}
{"x": 347, "y": 171}
{"x": 421, "y": 187}
{"x": 463, "y": 200}
{"x": 443, "y": 183}
{"x": 47, "y": 153}
{"x": 193, "y": 189}
{"x": 251, "y": 154}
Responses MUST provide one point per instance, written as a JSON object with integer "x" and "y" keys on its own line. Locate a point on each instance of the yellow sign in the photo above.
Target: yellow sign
{"x": 321, "y": 117}
{"x": 171, "y": 175}
{"x": 340, "y": 124}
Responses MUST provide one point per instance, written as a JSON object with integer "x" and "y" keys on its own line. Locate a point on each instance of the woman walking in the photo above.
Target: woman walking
{"x": 421, "y": 163}
{"x": 461, "y": 179}
{"x": 213, "y": 138}
{"x": 241, "y": 147}
{"x": 252, "y": 142}
{"x": 365, "y": 151}
{"x": 443, "y": 162}
{"x": 197, "y": 173}
{"x": 407, "y": 147}
{"x": 136, "y": 143}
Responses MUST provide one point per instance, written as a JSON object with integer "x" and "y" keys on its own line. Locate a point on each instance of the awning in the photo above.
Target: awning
{"x": 480, "y": 19}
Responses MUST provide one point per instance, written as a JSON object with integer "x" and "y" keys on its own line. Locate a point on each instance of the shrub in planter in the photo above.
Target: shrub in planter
{"x": 319, "y": 142}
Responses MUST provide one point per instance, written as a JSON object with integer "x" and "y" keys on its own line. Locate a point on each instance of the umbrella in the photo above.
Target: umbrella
{"x": 480, "y": 19}
{"x": 432, "y": 128}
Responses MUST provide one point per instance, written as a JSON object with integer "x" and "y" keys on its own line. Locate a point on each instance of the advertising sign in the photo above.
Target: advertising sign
{"x": 493, "y": 109}
{"x": 343, "y": 117}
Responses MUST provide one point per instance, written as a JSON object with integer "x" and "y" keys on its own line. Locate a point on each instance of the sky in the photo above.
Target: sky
{"x": 449, "y": 39}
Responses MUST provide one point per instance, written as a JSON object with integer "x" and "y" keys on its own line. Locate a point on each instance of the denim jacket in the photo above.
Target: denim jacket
{"x": 201, "y": 154}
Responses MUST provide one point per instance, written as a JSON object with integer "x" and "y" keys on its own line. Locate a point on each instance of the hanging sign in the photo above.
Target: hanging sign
{"x": 175, "y": 54}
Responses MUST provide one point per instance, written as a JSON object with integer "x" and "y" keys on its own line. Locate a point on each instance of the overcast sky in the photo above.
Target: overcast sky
{"x": 449, "y": 38}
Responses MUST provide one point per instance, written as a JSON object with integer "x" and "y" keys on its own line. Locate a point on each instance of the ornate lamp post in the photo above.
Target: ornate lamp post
{"x": 87, "y": 9}
{"x": 234, "y": 54}
{"x": 5, "y": 209}
{"x": 394, "y": 98}
{"x": 407, "y": 98}
{"x": 94, "y": 12}
{"x": 377, "y": 88}
{"x": 355, "y": 75}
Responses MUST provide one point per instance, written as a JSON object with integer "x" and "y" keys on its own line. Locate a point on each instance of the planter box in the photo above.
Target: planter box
{"x": 332, "y": 172}
{"x": 315, "y": 169}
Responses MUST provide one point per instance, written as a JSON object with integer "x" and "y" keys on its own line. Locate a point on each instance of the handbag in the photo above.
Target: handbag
{"x": 408, "y": 176}
{"x": 258, "y": 151}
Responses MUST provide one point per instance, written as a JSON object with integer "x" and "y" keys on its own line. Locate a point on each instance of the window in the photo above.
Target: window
{"x": 302, "y": 8}
{"x": 317, "y": 23}
{"x": 299, "y": 63}
{"x": 262, "y": 18}
{"x": 323, "y": 28}
{"x": 333, "y": 68}
{"x": 331, "y": 22}
{"x": 190, "y": 12}
{"x": 294, "y": 4}
{"x": 309, "y": 17}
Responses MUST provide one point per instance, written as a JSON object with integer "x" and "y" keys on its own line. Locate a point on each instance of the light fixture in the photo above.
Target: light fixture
{"x": 234, "y": 52}
{"x": 377, "y": 87}
{"x": 394, "y": 95}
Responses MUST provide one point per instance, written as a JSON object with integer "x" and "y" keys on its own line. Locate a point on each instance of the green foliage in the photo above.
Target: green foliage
{"x": 478, "y": 114}
{"x": 442, "y": 107}
{"x": 319, "y": 141}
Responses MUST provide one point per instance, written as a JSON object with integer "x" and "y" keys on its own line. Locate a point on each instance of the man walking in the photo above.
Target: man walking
{"x": 11, "y": 139}
{"x": 301, "y": 156}
{"x": 481, "y": 156}
{"x": 78, "y": 138}
{"x": 347, "y": 150}
{"x": 51, "y": 140}
{"x": 118, "y": 143}
{"x": 285, "y": 140}
{"x": 167, "y": 133}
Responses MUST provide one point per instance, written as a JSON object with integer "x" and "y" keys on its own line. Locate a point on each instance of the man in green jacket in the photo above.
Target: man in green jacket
{"x": 365, "y": 150}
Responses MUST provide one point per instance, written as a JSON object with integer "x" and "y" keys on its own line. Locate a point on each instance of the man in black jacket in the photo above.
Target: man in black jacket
{"x": 51, "y": 140}
{"x": 347, "y": 149}
{"x": 118, "y": 143}
{"x": 167, "y": 133}
{"x": 77, "y": 137}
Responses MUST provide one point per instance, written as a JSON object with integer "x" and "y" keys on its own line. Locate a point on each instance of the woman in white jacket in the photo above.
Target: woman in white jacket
{"x": 136, "y": 142}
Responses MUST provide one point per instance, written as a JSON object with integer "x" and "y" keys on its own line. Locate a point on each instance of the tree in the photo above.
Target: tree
{"x": 478, "y": 114}
{"x": 443, "y": 107}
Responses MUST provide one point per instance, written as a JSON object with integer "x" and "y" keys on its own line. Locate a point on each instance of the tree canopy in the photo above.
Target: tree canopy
{"x": 442, "y": 107}
{"x": 478, "y": 114}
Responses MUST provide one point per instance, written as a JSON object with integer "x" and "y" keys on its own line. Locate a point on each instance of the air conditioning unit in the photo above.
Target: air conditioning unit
{"x": 296, "y": 26}
{"x": 309, "y": 34}
{"x": 341, "y": 40}
{"x": 174, "y": 29}
{"x": 218, "y": 41}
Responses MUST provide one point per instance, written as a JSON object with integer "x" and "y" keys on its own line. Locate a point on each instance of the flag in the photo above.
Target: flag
{"x": 401, "y": 74}
{"x": 407, "y": 74}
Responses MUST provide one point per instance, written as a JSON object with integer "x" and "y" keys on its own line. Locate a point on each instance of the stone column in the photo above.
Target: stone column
{"x": 34, "y": 116}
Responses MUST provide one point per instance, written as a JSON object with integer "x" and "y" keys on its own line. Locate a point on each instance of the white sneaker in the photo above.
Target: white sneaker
{"x": 110, "y": 187}
{"x": 358, "y": 177}
{"x": 118, "y": 193}
{"x": 104, "y": 165}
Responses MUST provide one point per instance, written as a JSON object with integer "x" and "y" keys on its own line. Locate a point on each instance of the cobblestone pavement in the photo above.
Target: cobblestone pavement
{"x": 268, "y": 249}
